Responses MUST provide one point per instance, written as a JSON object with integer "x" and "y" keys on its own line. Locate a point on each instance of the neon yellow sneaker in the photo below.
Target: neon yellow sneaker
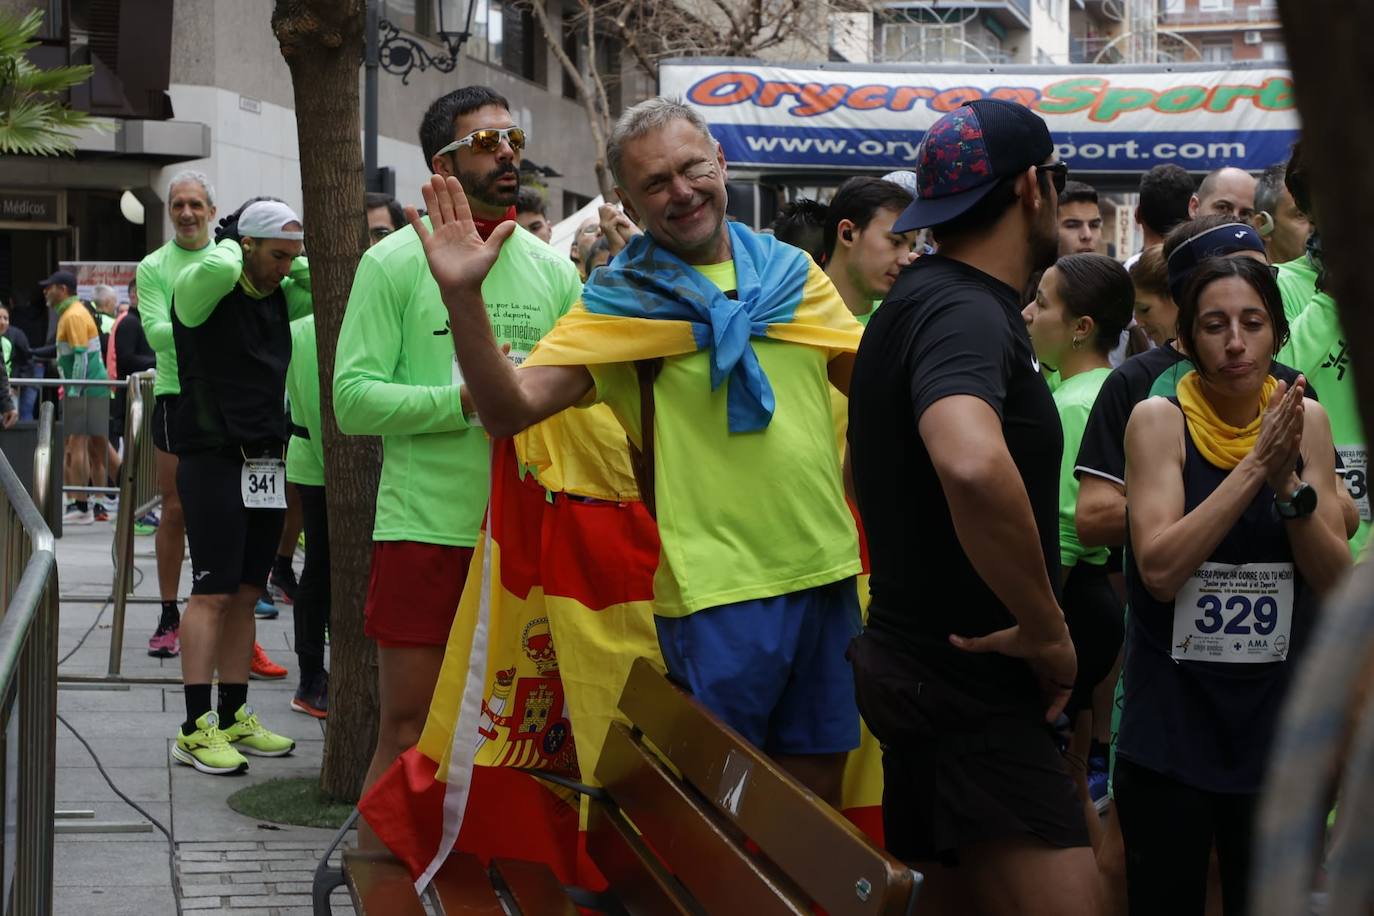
{"x": 208, "y": 749}
{"x": 248, "y": 735}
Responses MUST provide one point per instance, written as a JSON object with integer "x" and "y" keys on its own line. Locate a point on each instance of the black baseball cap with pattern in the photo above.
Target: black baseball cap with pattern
{"x": 965, "y": 153}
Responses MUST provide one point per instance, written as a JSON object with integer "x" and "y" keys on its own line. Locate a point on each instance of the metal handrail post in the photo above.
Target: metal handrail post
{"x": 129, "y": 477}
{"x": 28, "y": 677}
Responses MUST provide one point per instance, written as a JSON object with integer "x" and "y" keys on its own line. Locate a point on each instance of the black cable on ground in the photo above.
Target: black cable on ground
{"x": 89, "y": 630}
{"x": 138, "y": 579}
{"x": 171, "y": 844}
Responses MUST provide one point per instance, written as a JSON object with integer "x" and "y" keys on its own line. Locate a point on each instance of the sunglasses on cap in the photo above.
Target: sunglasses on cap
{"x": 1059, "y": 174}
{"x": 488, "y": 140}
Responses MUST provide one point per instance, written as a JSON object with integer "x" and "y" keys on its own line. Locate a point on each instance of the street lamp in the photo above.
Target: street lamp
{"x": 399, "y": 54}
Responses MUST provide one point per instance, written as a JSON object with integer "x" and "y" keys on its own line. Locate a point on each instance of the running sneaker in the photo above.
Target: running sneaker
{"x": 248, "y": 735}
{"x": 165, "y": 642}
{"x": 312, "y": 696}
{"x": 74, "y": 516}
{"x": 283, "y": 585}
{"x": 1097, "y": 783}
{"x": 263, "y": 668}
{"x": 146, "y": 525}
{"x": 99, "y": 512}
{"x": 208, "y": 749}
{"x": 265, "y": 610}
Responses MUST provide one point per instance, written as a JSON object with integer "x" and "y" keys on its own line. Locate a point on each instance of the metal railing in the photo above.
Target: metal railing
{"x": 28, "y": 687}
{"x": 138, "y": 494}
{"x": 1240, "y": 17}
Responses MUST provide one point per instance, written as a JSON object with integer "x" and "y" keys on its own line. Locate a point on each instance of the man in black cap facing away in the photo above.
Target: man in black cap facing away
{"x": 966, "y": 659}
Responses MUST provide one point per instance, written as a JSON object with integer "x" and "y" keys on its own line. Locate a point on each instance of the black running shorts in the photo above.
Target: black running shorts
{"x": 230, "y": 544}
{"x": 163, "y": 408}
{"x": 957, "y": 772}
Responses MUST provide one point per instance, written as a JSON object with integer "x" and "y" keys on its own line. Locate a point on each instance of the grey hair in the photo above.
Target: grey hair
{"x": 199, "y": 178}
{"x": 649, "y": 115}
{"x": 101, "y": 291}
{"x": 1269, "y": 189}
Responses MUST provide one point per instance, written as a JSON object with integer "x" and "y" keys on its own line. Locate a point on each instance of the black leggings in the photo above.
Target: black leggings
{"x": 1096, "y": 625}
{"x": 1169, "y": 829}
{"x": 312, "y": 597}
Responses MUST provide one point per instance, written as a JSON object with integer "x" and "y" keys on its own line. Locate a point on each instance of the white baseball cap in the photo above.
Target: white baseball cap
{"x": 265, "y": 219}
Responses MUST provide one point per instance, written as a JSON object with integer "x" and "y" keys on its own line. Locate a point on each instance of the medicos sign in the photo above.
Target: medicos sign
{"x": 1104, "y": 119}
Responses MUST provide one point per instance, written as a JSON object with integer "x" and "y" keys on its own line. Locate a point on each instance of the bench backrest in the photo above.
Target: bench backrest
{"x": 700, "y": 795}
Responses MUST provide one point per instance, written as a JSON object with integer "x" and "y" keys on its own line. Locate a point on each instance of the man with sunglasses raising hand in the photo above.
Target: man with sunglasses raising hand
{"x": 396, "y": 377}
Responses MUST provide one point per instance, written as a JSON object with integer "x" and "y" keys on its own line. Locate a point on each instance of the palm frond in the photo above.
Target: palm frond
{"x": 29, "y": 78}
{"x": 34, "y": 119}
{"x": 16, "y": 33}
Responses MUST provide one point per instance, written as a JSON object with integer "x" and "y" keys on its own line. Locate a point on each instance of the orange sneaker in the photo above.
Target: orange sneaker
{"x": 263, "y": 668}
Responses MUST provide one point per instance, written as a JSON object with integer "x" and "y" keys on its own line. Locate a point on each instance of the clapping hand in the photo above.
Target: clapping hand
{"x": 458, "y": 257}
{"x": 1280, "y": 435}
{"x": 616, "y": 227}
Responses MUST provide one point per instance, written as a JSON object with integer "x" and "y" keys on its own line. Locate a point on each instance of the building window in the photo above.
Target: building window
{"x": 503, "y": 34}
{"x": 1218, "y": 52}
{"x": 1214, "y": 6}
{"x": 1273, "y": 50}
{"x": 1174, "y": 7}
{"x": 402, "y": 14}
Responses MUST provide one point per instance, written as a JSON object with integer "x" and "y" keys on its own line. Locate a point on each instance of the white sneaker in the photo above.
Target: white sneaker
{"x": 74, "y": 516}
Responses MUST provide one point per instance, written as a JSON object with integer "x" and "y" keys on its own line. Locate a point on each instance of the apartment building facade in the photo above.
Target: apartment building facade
{"x": 202, "y": 84}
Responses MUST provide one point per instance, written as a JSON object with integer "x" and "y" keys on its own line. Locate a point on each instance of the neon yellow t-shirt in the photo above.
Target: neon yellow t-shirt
{"x": 1074, "y": 398}
{"x": 745, "y": 515}
{"x": 1297, "y": 281}
{"x": 839, "y": 402}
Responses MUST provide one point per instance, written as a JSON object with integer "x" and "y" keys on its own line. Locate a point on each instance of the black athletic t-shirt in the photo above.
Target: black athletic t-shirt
{"x": 1154, "y": 373}
{"x": 946, "y": 329}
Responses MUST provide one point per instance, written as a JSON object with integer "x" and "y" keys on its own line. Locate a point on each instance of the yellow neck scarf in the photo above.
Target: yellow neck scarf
{"x": 1222, "y": 444}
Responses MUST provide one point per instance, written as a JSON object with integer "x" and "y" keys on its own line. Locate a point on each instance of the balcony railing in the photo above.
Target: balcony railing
{"x": 1012, "y": 13}
{"x": 1248, "y": 16}
{"x": 1084, "y": 49}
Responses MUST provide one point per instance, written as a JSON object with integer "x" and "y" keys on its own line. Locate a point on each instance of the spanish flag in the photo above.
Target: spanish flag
{"x": 558, "y": 606}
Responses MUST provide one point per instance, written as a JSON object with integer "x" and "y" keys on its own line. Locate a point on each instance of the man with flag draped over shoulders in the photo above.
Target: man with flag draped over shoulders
{"x": 715, "y": 348}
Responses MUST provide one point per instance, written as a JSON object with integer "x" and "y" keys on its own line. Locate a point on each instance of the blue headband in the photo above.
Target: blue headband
{"x": 1214, "y": 243}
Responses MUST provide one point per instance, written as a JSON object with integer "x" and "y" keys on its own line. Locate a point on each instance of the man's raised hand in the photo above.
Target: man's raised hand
{"x": 458, "y": 257}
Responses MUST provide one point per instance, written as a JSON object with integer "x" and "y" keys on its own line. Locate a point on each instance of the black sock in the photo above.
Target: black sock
{"x": 282, "y": 564}
{"x": 82, "y": 505}
{"x": 171, "y": 616}
{"x": 197, "y": 705}
{"x": 1098, "y": 749}
{"x": 231, "y": 697}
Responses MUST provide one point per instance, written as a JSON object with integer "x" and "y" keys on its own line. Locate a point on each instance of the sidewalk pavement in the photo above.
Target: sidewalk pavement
{"x": 225, "y": 862}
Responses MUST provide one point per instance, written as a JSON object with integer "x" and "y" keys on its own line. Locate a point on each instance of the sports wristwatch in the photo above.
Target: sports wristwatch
{"x": 1301, "y": 503}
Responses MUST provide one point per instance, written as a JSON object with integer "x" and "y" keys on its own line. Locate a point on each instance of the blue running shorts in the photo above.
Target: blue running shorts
{"x": 773, "y": 669}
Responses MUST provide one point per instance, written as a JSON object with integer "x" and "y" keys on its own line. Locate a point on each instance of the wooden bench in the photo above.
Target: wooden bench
{"x": 690, "y": 819}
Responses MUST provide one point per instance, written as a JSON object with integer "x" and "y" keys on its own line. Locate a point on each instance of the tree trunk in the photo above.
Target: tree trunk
{"x": 598, "y": 120}
{"x": 1325, "y": 729}
{"x": 322, "y": 41}
{"x": 1327, "y": 49}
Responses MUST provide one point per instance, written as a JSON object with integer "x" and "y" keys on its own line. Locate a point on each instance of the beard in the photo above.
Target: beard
{"x": 484, "y": 189}
{"x": 1044, "y": 242}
